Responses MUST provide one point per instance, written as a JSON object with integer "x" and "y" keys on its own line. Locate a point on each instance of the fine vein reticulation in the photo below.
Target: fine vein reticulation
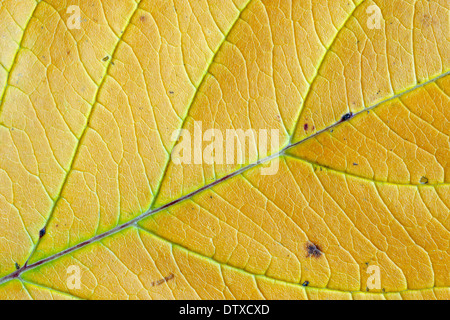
{"x": 87, "y": 118}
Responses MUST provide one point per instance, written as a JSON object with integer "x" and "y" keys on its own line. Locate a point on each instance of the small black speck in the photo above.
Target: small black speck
{"x": 355, "y": 164}
{"x": 42, "y": 232}
{"x": 171, "y": 92}
{"x": 347, "y": 116}
{"x": 305, "y": 284}
{"x": 17, "y": 266}
{"x": 105, "y": 58}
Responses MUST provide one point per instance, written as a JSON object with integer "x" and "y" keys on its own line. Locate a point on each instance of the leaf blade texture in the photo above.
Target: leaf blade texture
{"x": 87, "y": 178}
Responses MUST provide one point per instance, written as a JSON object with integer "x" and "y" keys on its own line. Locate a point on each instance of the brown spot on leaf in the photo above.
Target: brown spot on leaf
{"x": 161, "y": 281}
{"x": 313, "y": 250}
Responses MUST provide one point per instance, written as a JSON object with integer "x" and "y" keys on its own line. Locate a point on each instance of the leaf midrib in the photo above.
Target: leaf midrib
{"x": 80, "y": 140}
{"x": 150, "y": 212}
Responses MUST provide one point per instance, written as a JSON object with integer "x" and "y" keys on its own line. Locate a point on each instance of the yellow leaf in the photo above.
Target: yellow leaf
{"x": 93, "y": 204}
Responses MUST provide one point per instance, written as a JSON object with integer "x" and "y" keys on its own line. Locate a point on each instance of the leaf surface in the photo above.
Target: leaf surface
{"x": 87, "y": 176}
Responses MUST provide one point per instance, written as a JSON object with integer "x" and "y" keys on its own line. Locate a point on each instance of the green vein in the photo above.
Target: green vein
{"x": 211, "y": 260}
{"x": 297, "y": 285}
{"x": 40, "y": 286}
{"x": 398, "y": 184}
{"x": 281, "y": 153}
{"x": 188, "y": 196}
{"x": 58, "y": 198}
{"x": 320, "y": 66}
{"x": 194, "y": 98}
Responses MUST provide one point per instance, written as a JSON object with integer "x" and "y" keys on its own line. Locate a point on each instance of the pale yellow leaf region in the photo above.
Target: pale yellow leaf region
{"x": 89, "y": 185}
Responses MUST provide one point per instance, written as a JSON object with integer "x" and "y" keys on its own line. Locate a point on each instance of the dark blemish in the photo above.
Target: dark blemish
{"x": 42, "y": 232}
{"x": 367, "y": 289}
{"x": 171, "y": 92}
{"x": 17, "y": 266}
{"x": 313, "y": 250}
{"x": 305, "y": 127}
{"x": 423, "y": 180}
{"x": 355, "y": 164}
{"x": 384, "y": 290}
{"x": 105, "y": 58}
{"x": 142, "y": 18}
{"x": 210, "y": 197}
{"x": 112, "y": 62}
{"x": 347, "y": 116}
{"x": 68, "y": 52}
{"x": 161, "y": 281}
{"x": 305, "y": 284}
